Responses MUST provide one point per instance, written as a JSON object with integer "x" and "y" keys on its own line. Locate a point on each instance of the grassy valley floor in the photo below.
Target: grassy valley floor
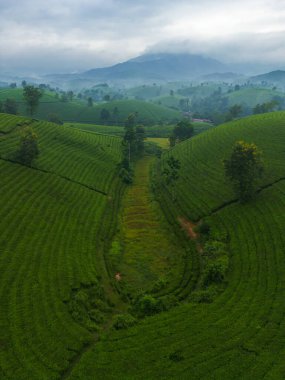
{"x": 143, "y": 250}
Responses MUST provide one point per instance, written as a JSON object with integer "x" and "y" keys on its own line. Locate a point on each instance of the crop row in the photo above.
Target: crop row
{"x": 202, "y": 186}
{"x": 239, "y": 335}
{"x": 48, "y": 246}
{"x": 83, "y": 157}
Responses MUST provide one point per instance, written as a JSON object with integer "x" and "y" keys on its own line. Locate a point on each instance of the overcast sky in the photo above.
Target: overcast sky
{"x": 74, "y": 35}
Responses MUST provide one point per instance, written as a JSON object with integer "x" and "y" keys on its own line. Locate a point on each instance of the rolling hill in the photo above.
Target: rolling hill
{"x": 274, "y": 77}
{"x": 51, "y": 217}
{"x": 64, "y": 221}
{"x": 249, "y": 97}
{"x": 241, "y": 333}
{"x": 148, "y": 68}
{"x": 78, "y": 111}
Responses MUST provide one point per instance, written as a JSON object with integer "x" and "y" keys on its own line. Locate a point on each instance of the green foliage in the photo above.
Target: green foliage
{"x": 126, "y": 175}
{"x": 104, "y": 115}
{"x": 28, "y": 150}
{"x": 54, "y": 118}
{"x": 235, "y": 110}
{"x": 90, "y": 103}
{"x": 265, "y": 107}
{"x": 171, "y": 173}
{"x": 146, "y": 305}
{"x": 10, "y": 106}
{"x": 203, "y": 296}
{"x": 87, "y": 305}
{"x": 203, "y": 228}
{"x": 176, "y": 356}
{"x": 32, "y": 97}
{"x": 182, "y": 131}
{"x": 243, "y": 169}
{"x": 123, "y": 321}
{"x": 53, "y": 224}
{"x": 215, "y": 271}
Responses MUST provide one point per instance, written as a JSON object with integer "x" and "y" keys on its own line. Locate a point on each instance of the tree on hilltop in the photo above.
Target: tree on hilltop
{"x": 28, "y": 150}
{"x": 10, "y": 106}
{"x": 32, "y": 97}
{"x": 182, "y": 131}
{"x": 171, "y": 173}
{"x": 243, "y": 169}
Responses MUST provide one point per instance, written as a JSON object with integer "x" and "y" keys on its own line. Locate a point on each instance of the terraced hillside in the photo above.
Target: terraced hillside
{"x": 55, "y": 219}
{"x": 78, "y": 111}
{"x": 252, "y": 96}
{"x": 240, "y": 335}
{"x": 164, "y": 130}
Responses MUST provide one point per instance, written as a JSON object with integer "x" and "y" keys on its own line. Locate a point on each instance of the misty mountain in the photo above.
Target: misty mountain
{"x": 274, "y": 77}
{"x": 223, "y": 77}
{"x": 162, "y": 67}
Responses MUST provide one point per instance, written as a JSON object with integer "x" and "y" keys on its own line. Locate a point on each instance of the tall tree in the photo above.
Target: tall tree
{"x": 140, "y": 136}
{"x": 105, "y": 115}
{"x": 243, "y": 169}
{"x": 182, "y": 131}
{"x": 90, "y": 102}
{"x": 129, "y": 136}
{"x": 32, "y": 97}
{"x": 28, "y": 150}
{"x": 171, "y": 173}
{"x": 10, "y": 106}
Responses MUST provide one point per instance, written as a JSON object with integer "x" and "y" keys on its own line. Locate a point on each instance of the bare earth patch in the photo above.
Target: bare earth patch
{"x": 189, "y": 228}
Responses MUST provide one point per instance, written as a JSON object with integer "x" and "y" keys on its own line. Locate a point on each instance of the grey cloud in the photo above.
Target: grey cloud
{"x": 68, "y": 35}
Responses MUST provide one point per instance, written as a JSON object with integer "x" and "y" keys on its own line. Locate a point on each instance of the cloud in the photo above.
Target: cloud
{"x": 70, "y": 35}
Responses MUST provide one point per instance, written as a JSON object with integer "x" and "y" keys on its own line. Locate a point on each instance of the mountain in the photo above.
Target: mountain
{"x": 274, "y": 77}
{"x": 159, "y": 67}
{"x": 223, "y": 77}
{"x": 147, "y": 68}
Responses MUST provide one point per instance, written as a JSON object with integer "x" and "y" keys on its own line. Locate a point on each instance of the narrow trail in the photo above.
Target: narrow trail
{"x": 147, "y": 249}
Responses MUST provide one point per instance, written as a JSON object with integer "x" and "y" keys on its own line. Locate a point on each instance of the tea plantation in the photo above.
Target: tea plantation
{"x": 54, "y": 217}
{"x": 240, "y": 334}
{"x": 60, "y": 218}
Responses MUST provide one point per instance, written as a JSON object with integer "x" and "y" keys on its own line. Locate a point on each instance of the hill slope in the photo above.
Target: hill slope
{"x": 52, "y": 215}
{"x": 240, "y": 334}
{"x": 76, "y": 111}
{"x": 150, "y": 67}
{"x": 56, "y": 222}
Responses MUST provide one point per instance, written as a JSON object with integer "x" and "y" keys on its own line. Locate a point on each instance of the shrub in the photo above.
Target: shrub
{"x": 215, "y": 247}
{"x": 203, "y": 296}
{"x": 126, "y": 176}
{"x": 203, "y": 228}
{"x": 146, "y": 305}
{"x": 176, "y": 356}
{"x": 215, "y": 271}
{"x": 124, "y": 321}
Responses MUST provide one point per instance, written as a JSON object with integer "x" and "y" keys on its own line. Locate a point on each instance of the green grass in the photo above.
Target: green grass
{"x": 144, "y": 250}
{"x": 160, "y": 141}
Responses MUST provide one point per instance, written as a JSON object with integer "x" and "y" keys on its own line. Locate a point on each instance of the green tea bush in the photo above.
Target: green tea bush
{"x": 124, "y": 321}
